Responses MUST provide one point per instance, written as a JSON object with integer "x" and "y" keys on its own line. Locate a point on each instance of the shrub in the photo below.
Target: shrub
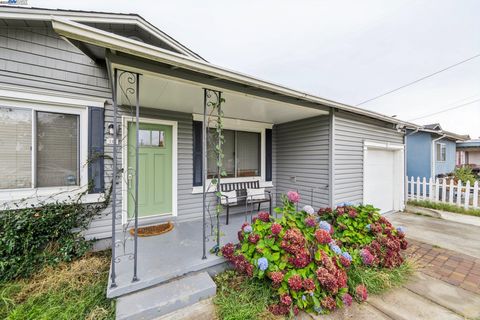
{"x": 371, "y": 237}
{"x": 465, "y": 174}
{"x": 33, "y": 237}
{"x": 307, "y": 262}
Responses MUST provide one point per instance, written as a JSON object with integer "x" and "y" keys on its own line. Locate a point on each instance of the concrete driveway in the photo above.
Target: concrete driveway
{"x": 460, "y": 237}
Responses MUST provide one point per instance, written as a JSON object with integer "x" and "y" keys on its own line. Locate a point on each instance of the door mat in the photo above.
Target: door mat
{"x": 153, "y": 230}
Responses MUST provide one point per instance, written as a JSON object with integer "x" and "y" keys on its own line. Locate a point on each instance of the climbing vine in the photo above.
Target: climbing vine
{"x": 215, "y": 121}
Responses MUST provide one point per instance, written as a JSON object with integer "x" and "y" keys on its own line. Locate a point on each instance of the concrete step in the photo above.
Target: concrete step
{"x": 154, "y": 302}
{"x": 356, "y": 311}
{"x": 203, "y": 310}
{"x": 403, "y": 304}
{"x": 463, "y": 302}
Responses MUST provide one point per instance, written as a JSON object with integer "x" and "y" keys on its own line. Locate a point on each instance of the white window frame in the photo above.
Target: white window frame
{"x": 246, "y": 126}
{"x": 442, "y": 146}
{"x": 36, "y": 195}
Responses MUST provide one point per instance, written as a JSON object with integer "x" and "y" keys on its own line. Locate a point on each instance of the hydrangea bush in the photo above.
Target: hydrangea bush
{"x": 306, "y": 256}
{"x": 370, "y": 236}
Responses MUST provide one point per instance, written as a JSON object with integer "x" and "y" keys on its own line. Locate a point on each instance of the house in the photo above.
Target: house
{"x": 88, "y": 96}
{"x": 468, "y": 153}
{"x": 431, "y": 151}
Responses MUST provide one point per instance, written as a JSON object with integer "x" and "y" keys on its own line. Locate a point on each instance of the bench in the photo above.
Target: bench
{"x": 241, "y": 197}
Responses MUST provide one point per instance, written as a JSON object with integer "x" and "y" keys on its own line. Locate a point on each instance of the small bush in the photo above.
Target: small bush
{"x": 306, "y": 259}
{"x": 464, "y": 173}
{"x": 33, "y": 237}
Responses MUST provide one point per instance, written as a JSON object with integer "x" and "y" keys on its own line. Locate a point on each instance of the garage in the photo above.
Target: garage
{"x": 383, "y": 176}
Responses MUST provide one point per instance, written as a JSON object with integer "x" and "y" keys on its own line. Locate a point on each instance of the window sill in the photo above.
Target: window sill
{"x": 22, "y": 198}
{"x": 199, "y": 189}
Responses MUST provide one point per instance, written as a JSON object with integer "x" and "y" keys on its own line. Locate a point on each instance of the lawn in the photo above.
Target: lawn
{"x": 444, "y": 207}
{"x": 74, "y": 290}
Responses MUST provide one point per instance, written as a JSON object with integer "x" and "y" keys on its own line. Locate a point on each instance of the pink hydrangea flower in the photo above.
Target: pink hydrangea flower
{"x": 295, "y": 282}
{"x": 361, "y": 292}
{"x": 293, "y": 196}
{"x": 276, "y": 228}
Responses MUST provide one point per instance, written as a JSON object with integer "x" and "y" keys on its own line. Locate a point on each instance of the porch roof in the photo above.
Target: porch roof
{"x": 179, "y": 66}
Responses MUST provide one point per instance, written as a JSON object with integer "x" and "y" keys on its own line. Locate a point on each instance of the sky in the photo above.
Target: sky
{"x": 348, "y": 51}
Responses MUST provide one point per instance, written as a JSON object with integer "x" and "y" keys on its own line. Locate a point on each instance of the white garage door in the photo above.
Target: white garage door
{"x": 380, "y": 179}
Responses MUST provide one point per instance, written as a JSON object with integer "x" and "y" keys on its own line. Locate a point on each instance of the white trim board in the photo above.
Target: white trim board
{"x": 125, "y": 120}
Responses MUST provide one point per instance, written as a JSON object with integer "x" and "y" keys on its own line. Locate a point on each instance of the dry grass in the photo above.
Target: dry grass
{"x": 74, "y": 290}
{"x": 75, "y": 275}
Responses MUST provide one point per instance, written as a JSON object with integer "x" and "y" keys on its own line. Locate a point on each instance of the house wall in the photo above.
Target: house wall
{"x": 302, "y": 157}
{"x": 350, "y": 132}
{"x": 419, "y": 150}
{"x": 474, "y": 157}
{"x": 38, "y": 58}
{"x": 447, "y": 166}
{"x": 189, "y": 204}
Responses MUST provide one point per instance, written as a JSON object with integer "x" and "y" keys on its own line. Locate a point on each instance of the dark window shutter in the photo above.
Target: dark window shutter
{"x": 95, "y": 149}
{"x": 268, "y": 154}
{"x": 197, "y": 153}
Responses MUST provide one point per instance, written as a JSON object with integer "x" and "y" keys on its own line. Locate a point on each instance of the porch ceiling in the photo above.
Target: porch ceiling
{"x": 164, "y": 92}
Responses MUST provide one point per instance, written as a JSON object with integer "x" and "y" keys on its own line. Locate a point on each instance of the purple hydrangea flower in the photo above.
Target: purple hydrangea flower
{"x": 304, "y": 298}
{"x": 318, "y": 310}
{"x": 401, "y": 229}
{"x": 325, "y": 225}
{"x": 247, "y": 229}
{"x": 368, "y": 227}
{"x": 333, "y": 246}
{"x": 308, "y": 209}
{"x": 310, "y": 221}
{"x": 262, "y": 263}
{"x": 347, "y": 256}
{"x": 367, "y": 257}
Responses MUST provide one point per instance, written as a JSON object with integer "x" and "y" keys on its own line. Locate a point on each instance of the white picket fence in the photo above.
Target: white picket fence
{"x": 441, "y": 190}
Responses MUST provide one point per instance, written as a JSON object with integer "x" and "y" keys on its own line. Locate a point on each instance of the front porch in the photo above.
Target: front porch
{"x": 171, "y": 255}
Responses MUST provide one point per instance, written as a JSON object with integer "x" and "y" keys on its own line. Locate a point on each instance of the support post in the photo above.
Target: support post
{"x": 137, "y": 136}
{"x": 114, "y": 178}
{"x": 219, "y": 168}
{"x": 204, "y": 171}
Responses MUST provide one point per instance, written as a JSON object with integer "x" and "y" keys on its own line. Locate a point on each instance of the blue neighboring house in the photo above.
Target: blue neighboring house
{"x": 431, "y": 151}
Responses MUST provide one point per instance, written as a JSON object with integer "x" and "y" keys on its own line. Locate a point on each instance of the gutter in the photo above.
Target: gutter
{"x": 112, "y": 41}
{"x": 432, "y": 170}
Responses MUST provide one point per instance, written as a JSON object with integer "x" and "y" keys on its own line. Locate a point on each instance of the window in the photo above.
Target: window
{"x": 53, "y": 157}
{"x": 441, "y": 152}
{"x": 151, "y": 138}
{"x": 241, "y": 150}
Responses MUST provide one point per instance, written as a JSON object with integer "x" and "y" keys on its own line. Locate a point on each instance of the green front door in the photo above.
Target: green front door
{"x": 155, "y": 169}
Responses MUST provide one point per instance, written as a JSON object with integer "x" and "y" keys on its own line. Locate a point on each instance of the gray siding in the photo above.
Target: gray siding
{"x": 350, "y": 131}
{"x": 38, "y": 58}
{"x": 189, "y": 205}
{"x": 302, "y": 157}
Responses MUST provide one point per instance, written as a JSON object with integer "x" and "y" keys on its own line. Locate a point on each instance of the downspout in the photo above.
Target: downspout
{"x": 432, "y": 169}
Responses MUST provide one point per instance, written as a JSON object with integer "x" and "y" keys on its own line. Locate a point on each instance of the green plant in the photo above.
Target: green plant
{"x": 32, "y": 237}
{"x": 73, "y": 290}
{"x": 307, "y": 260}
{"x": 379, "y": 280}
{"x": 464, "y": 173}
{"x": 352, "y": 224}
{"x": 445, "y": 207}
{"x": 239, "y": 297}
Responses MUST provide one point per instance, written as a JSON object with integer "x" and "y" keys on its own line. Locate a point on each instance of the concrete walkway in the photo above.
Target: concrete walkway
{"x": 446, "y": 234}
